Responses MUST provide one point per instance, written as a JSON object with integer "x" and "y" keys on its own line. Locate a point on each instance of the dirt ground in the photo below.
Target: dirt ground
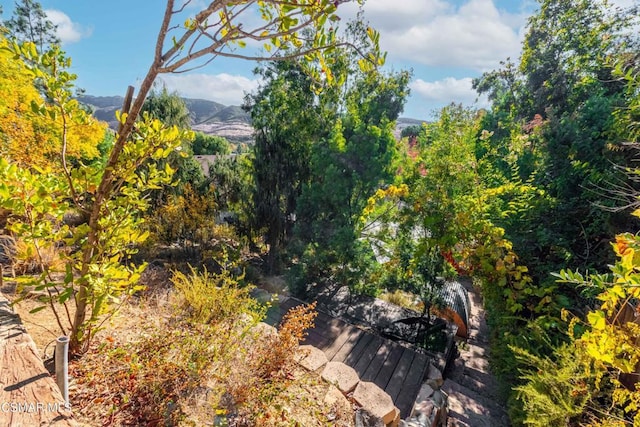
{"x": 139, "y": 315}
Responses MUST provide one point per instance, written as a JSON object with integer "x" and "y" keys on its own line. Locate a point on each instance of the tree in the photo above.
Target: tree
{"x": 30, "y": 139}
{"x": 168, "y": 108}
{"x": 204, "y": 144}
{"x": 286, "y": 119}
{"x": 171, "y": 110}
{"x": 29, "y": 23}
{"x": 40, "y": 198}
{"x": 355, "y": 160}
{"x": 219, "y": 29}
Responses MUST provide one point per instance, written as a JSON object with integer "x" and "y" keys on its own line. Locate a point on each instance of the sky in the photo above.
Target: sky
{"x": 446, "y": 43}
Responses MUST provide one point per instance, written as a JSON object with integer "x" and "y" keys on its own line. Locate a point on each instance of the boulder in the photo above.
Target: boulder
{"x": 375, "y": 401}
{"x": 434, "y": 377}
{"x": 311, "y": 358}
{"x": 342, "y": 376}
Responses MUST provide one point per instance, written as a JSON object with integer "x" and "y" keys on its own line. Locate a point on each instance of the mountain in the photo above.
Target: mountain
{"x": 209, "y": 117}
{"x": 206, "y": 116}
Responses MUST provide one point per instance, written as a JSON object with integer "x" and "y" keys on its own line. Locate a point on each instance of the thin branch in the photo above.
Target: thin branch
{"x": 162, "y": 34}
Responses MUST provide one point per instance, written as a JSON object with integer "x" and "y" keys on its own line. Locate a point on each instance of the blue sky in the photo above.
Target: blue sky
{"x": 446, "y": 43}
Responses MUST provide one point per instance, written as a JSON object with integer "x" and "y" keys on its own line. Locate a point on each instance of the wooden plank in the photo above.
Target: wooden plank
{"x": 349, "y": 335}
{"x": 418, "y": 367}
{"x": 25, "y": 382}
{"x": 412, "y": 383}
{"x": 377, "y": 362}
{"x": 368, "y": 355}
{"x": 346, "y": 348}
{"x": 399, "y": 374}
{"x": 317, "y": 340}
{"x": 357, "y": 351}
{"x": 385, "y": 372}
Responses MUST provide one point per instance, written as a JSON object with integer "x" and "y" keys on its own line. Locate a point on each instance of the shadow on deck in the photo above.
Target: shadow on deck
{"x": 396, "y": 369}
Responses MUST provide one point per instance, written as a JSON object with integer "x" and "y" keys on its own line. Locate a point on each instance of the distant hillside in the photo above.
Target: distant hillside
{"x": 209, "y": 117}
{"x": 201, "y": 110}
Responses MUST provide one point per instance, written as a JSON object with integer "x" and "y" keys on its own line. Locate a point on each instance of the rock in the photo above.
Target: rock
{"x": 375, "y": 401}
{"x": 341, "y": 375}
{"x": 311, "y": 358}
{"x": 338, "y": 406}
{"x": 425, "y": 392}
{"x": 425, "y": 407}
{"x": 364, "y": 418}
{"x": 265, "y": 329}
{"x": 396, "y": 419}
{"x": 434, "y": 377}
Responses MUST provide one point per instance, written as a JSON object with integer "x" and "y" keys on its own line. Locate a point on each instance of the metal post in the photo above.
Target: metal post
{"x": 62, "y": 366}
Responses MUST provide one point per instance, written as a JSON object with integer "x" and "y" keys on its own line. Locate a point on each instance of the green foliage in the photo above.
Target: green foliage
{"x": 171, "y": 110}
{"x": 189, "y": 220}
{"x": 347, "y": 168}
{"x": 167, "y": 107}
{"x": 287, "y": 123}
{"x": 204, "y": 144}
{"x": 546, "y": 152}
{"x": 216, "y": 298}
{"x": 557, "y": 391}
{"x": 29, "y": 23}
{"x": 232, "y": 180}
{"x": 411, "y": 131}
{"x": 96, "y": 271}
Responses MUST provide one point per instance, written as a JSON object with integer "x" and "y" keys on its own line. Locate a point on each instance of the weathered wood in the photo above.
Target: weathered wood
{"x": 395, "y": 369}
{"x": 412, "y": 383}
{"x": 354, "y": 356}
{"x": 377, "y": 363}
{"x": 399, "y": 374}
{"x": 367, "y": 356}
{"x": 29, "y": 395}
{"x": 348, "y": 334}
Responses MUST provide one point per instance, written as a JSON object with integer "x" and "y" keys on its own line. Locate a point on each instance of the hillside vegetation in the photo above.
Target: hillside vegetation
{"x": 535, "y": 198}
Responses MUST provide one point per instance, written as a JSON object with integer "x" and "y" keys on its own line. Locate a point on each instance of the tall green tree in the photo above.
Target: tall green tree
{"x": 347, "y": 167}
{"x": 287, "y": 122}
{"x": 29, "y": 23}
{"x": 204, "y": 144}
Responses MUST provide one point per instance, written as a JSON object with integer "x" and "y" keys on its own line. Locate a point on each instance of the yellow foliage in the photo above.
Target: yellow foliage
{"x": 613, "y": 339}
{"x": 32, "y": 139}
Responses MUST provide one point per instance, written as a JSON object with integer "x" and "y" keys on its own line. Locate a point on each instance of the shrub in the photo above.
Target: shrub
{"x": 208, "y": 361}
{"x": 216, "y": 298}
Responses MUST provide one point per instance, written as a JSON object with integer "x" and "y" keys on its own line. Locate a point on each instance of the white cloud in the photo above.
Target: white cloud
{"x": 67, "y": 30}
{"x": 224, "y": 88}
{"x": 434, "y": 32}
{"x": 448, "y": 90}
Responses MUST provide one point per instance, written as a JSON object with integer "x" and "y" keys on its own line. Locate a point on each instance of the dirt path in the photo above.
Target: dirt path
{"x": 473, "y": 391}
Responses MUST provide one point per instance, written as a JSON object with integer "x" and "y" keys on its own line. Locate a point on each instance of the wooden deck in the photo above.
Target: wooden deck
{"x": 394, "y": 368}
{"x": 28, "y": 395}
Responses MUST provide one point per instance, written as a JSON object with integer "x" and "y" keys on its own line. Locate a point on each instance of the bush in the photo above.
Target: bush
{"x": 556, "y": 391}
{"x": 213, "y": 299}
{"x": 207, "y": 362}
